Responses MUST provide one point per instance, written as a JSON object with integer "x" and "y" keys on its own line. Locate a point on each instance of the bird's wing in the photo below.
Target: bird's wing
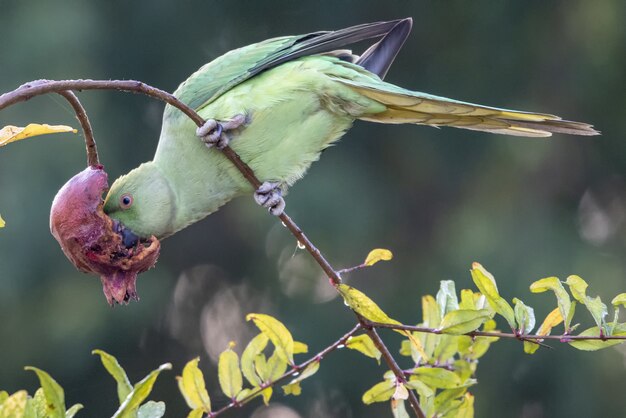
{"x": 220, "y": 75}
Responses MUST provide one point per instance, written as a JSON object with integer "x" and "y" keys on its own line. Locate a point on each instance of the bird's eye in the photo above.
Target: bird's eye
{"x": 126, "y": 201}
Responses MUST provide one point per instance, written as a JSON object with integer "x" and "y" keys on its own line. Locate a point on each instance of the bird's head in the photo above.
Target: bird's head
{"x": 142, "y": 203}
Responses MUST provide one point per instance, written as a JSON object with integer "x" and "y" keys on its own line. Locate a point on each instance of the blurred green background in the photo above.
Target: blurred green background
{"x": 439, "y": 198}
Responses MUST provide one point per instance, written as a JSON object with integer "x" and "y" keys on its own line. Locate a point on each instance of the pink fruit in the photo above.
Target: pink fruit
{"x": 92, "y": 241}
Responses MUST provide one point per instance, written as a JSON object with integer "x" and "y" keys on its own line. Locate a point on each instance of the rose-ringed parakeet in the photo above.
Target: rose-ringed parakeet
{"x": 280, "y": 102}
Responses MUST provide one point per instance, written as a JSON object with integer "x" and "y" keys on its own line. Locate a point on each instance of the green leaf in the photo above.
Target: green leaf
{"x": 376, "y": 255}
{"x": 432, "y": 319}
{"x": 524, "y": 316}
{"x": 293, "y": 387}
{"x": 422, "y": 388}
{"x": 278, "y": 334}
{"x": 619, "y": 300}
{"x": 597, "y": 309}
{"x": 438, "y": 378}
{"x": 446, "y": 349}
{"x": 73, "y": 410}
{"x": 2, "y": 223}
{"x": 446, "y": 297}
{"x": 112, "y": 366}
{"x": 141, "y": 390}
{"x": 39, "y": 403}
{"x": 53, "y": 392}
{"x": 487, "y": 286}
{"x": 193, "y": 387}
{"x": 563, "y": 299}
{"x": 229, "y": 373}
{"x": 467, "y": 300}
{"x": 14, "y": 406}
{"x": 380, "y": 392}
{"x": 151, "y": 409}
{"x": 431, "y": 316}
{"x": 254, "y": 348}
{"x": 593, "y": 345}
{"x": 364, "y": 344}
{"x": 444, "y": 399}
{"x": 462, "y": 321}
{"x": 3, "y": 396}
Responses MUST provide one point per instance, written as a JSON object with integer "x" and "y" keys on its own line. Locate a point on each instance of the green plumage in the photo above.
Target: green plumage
{"x": 296, "y": 104}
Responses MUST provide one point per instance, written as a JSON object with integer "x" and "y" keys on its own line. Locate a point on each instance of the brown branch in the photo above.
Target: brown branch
{"x": 294, "y": 370}
{"x": 391, "y": 362}
{"x": 81, "y": 115}
{"x": 35, "y": 88}
{"x": 565, "y": 338}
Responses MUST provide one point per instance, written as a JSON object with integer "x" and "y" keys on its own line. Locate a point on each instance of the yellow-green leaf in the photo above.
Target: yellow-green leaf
{"x": 2, "y": 223}
{"x": 276, "y": 367}
{"x": 463, "y": 321}
{"x": 14, "y": 406}
{"x": 196, "y": 413}
{"x": 380, "y": 392}
{"x": 141, "y": 390}
{"x": 619, "y": 300}
{"x": 444, "y": 398}
{"x": 278, "y": 334}
{"x": 487, "y": 286}
{"x": 254, "y": 348}
{"x": 436, "y": 377}
{"x": 53, "y": 392}
{"x": 193, "y": 387}
{"x": 364, "y": 344}
{"x": 293, "y": 387}
{"x": 229, "y": 373}
{"x": 446, "y": 349}
{"x": 376, "y": 255}
{"x": 39, "y": 403}
{"x": 112, "y": 366}
{"x": 11, "y": 133}
{"x": 578, "y": 287}
{"x": 300, "y": 348}
{"x": 363, "y": 305}
{"x": 73, "y": 410}
{"x": 593, "y": 345}
{"x": 562, "y": 297}
{"x": 3, "y": 396}
{"x": 422, "y": 388}
{"x": 466, "y": 409}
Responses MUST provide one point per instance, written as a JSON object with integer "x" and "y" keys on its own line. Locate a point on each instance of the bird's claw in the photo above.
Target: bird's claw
{"x": 213, "y": 133}
{"x": 269, "y": 195}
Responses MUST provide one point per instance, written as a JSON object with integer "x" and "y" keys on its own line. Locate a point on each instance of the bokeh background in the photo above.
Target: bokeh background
{"x": 439, "y": 198}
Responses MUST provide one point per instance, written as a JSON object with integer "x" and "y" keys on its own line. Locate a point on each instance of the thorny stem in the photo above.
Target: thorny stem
{"x": 565, "y": 338}
{"x": 295, "y": 369}
{"x": 35, "y": 88}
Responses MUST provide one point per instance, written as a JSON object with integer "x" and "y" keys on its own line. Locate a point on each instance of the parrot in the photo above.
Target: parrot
{"x": 278, "y": 104}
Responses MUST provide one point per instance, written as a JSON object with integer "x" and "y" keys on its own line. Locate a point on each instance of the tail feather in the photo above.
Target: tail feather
{"x": 405, "y": 106}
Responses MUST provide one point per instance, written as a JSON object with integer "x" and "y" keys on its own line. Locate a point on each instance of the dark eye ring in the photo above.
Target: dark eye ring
{"x": 126, "y": 201}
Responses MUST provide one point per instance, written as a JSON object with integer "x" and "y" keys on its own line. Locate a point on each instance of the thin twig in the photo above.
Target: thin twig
{"x": 81, "y": 115}
{"x": 294, "y": 370}
{"x": 530, "y": 337}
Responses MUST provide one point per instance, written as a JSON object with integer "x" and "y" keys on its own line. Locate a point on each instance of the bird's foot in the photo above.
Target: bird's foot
{"x": 269, "y": 195}
{"x": 213, "y": 133}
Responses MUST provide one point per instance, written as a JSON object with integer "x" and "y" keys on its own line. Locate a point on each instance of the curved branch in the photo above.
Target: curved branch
{"x": 81, "y": 115}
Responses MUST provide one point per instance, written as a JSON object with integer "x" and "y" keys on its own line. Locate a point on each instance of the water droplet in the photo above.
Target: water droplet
{"x": 296, "y": 374}
{"x": 301, "y": 245}
{"x": 284, "y": 224}
{"x": 341, "y": 346}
